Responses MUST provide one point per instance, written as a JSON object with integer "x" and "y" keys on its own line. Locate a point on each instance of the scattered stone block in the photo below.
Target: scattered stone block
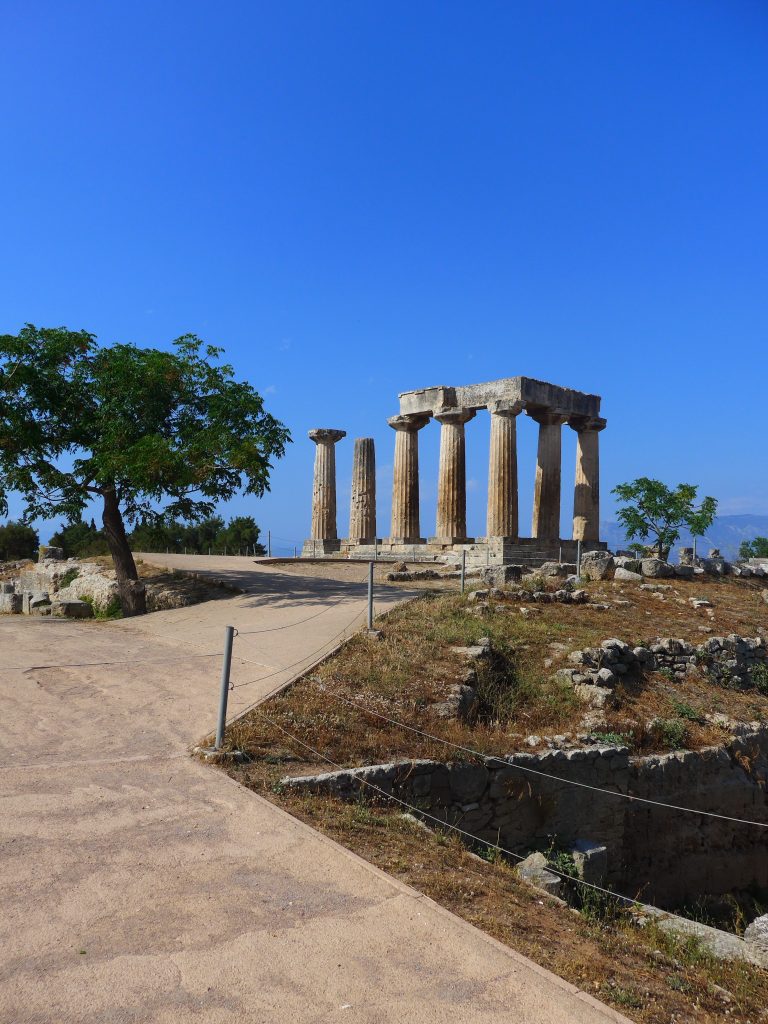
{"x": 534, "y": 870}
{"x": 591, "y": 860}
{"x": 556, "y": 569}
{"x": 630, "y": 563}
{"x": 597, "y": 565}
{"x": 595, "y": 696}
{"x": 11, "y": 604}
{"x": 71, "y": 609}
{"x": 500, "y": 575}
{"x": 654, "y": 568}
{"x": 626, "y": 574}
{"x": 756, "y": 934}
{"x": 49, "y": 553}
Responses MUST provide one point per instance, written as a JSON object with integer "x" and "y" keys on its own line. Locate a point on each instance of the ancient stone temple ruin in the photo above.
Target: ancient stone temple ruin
{"x": 453, "y": 407}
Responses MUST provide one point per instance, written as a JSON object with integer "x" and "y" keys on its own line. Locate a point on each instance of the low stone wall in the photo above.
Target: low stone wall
{"x": 659, "y": 855}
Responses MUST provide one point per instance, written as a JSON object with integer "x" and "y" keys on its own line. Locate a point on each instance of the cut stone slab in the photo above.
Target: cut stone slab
{"x": 499, "y": 575}
{"x": 626, "y": 574}
{"x": 534, "y": 870}
{"x": 591, "y": 860}
{"x": 71, "y": 610}
{"x": 11, "y": 604}
{"x": 597, "y": 565}
{"x": 756, "y": 934}
{"x": 654, "y": 568}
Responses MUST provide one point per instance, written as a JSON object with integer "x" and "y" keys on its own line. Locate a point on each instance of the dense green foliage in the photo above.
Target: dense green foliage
{"x": 17, "y": 541}
{"x": 654, "y": 510}
{"x": 152, "y": 434}
{"x": 80, "y": 540}
{"x": 241, "y": 534}
{"x": 84, "y": 540}
{"x": 757, "y": 548}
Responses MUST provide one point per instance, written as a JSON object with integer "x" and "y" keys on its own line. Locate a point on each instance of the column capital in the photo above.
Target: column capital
{"x": 505, "y": 407}
{"x": 411, "y": 421}
{"x": 580, "y": 423}
{"x": 546, "y": 417}
{"x": 455, "y": 416}
{"x": 326, "y": 435}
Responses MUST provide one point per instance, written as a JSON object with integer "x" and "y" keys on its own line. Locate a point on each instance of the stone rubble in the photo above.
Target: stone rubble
{"x": 730, "y": 661}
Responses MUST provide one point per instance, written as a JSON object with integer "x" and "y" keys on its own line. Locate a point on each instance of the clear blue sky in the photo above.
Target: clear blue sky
{"x": 356, "y": 199}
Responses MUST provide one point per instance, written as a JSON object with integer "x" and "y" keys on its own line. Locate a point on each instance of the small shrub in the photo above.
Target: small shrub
{"x": 533, "y": 583}
{"x": 614, "y": 739}
{"x": 114, "y": 610}
{"x": 683, "y": 710}
{"x": 69, "y": 577}
{"x": 671, "y": 732}
{"x": 760, "y": 678}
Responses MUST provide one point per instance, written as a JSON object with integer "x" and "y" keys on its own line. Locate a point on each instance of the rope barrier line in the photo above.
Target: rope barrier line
{"x": 445, "y": 824}
{"x": 545, "y": 775}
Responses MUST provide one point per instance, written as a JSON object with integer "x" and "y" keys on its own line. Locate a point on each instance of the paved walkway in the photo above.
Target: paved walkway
{"x": 138, "y": 885}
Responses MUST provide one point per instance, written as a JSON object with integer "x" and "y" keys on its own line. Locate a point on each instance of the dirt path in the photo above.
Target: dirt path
{"x": 138, "y": 885}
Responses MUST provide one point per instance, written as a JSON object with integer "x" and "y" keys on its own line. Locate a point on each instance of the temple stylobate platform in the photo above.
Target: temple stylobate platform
{"x": 550, "y": 406}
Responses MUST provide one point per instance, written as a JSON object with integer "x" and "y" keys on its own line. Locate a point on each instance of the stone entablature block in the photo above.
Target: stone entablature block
{"x": 529, "y": 392}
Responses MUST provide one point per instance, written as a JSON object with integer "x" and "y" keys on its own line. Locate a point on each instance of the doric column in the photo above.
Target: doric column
{"x": 362, "y": 512}
{"x": 405, "y": 479}
{"x": 546, "y": 497}
{"x": 324, "y": 489}
{"x": 452, "y": 480}
{"x": 502, "y": 470}
{"x": 586, "y": 494}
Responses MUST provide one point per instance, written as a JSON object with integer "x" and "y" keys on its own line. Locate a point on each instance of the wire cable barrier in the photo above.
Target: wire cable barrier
{"x": 439, "y": 821}
{"x": 307, "y": 657}
{"x": 535, "y": 771}
{"x": 300, "y": 622}
{"x": 124, "y": 661}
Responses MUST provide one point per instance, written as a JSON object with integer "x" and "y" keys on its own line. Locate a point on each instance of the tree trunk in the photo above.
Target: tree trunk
{"x": 132, "y": 595}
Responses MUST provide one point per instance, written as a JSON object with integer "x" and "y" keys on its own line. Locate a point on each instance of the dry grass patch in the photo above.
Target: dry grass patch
{"x": 413, "y": 666}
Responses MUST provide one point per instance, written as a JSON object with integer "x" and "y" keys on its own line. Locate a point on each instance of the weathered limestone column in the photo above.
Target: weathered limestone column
{"x": 405, "y": 479}
{"x": 546, "y": 497}
{"x": 324, "y": 489}
{"x": 452, "y": 480}
{"x": 502, "y": 470}
{"x": 362, "y": 512}
{"x": 586, "y": 494}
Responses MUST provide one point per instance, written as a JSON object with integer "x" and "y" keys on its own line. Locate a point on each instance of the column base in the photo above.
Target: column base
{"x": 404, "y": 540}
{"x": 318, "y": 548}
{"x": 447, "y": 541}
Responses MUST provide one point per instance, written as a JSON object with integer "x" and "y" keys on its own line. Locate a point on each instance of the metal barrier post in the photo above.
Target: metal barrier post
{"x": 578, "y": 561}
{"x": 370, "y": 595}
{"x": 463, "y": 569}
{"x": 226, "y": 665}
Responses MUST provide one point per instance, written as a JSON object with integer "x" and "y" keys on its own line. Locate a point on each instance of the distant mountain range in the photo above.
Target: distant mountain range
{"x": 726, "y": 533}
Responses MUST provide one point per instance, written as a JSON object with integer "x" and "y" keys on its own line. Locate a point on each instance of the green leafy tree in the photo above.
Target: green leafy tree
{"x": 145, "y": 432}
{"x": 757, "y": 548}
{"x": 80, "y": 539}
{"x": 654, "y": 510}
{"x": 17, "y": 541}
{"x": 242, "y": 533}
